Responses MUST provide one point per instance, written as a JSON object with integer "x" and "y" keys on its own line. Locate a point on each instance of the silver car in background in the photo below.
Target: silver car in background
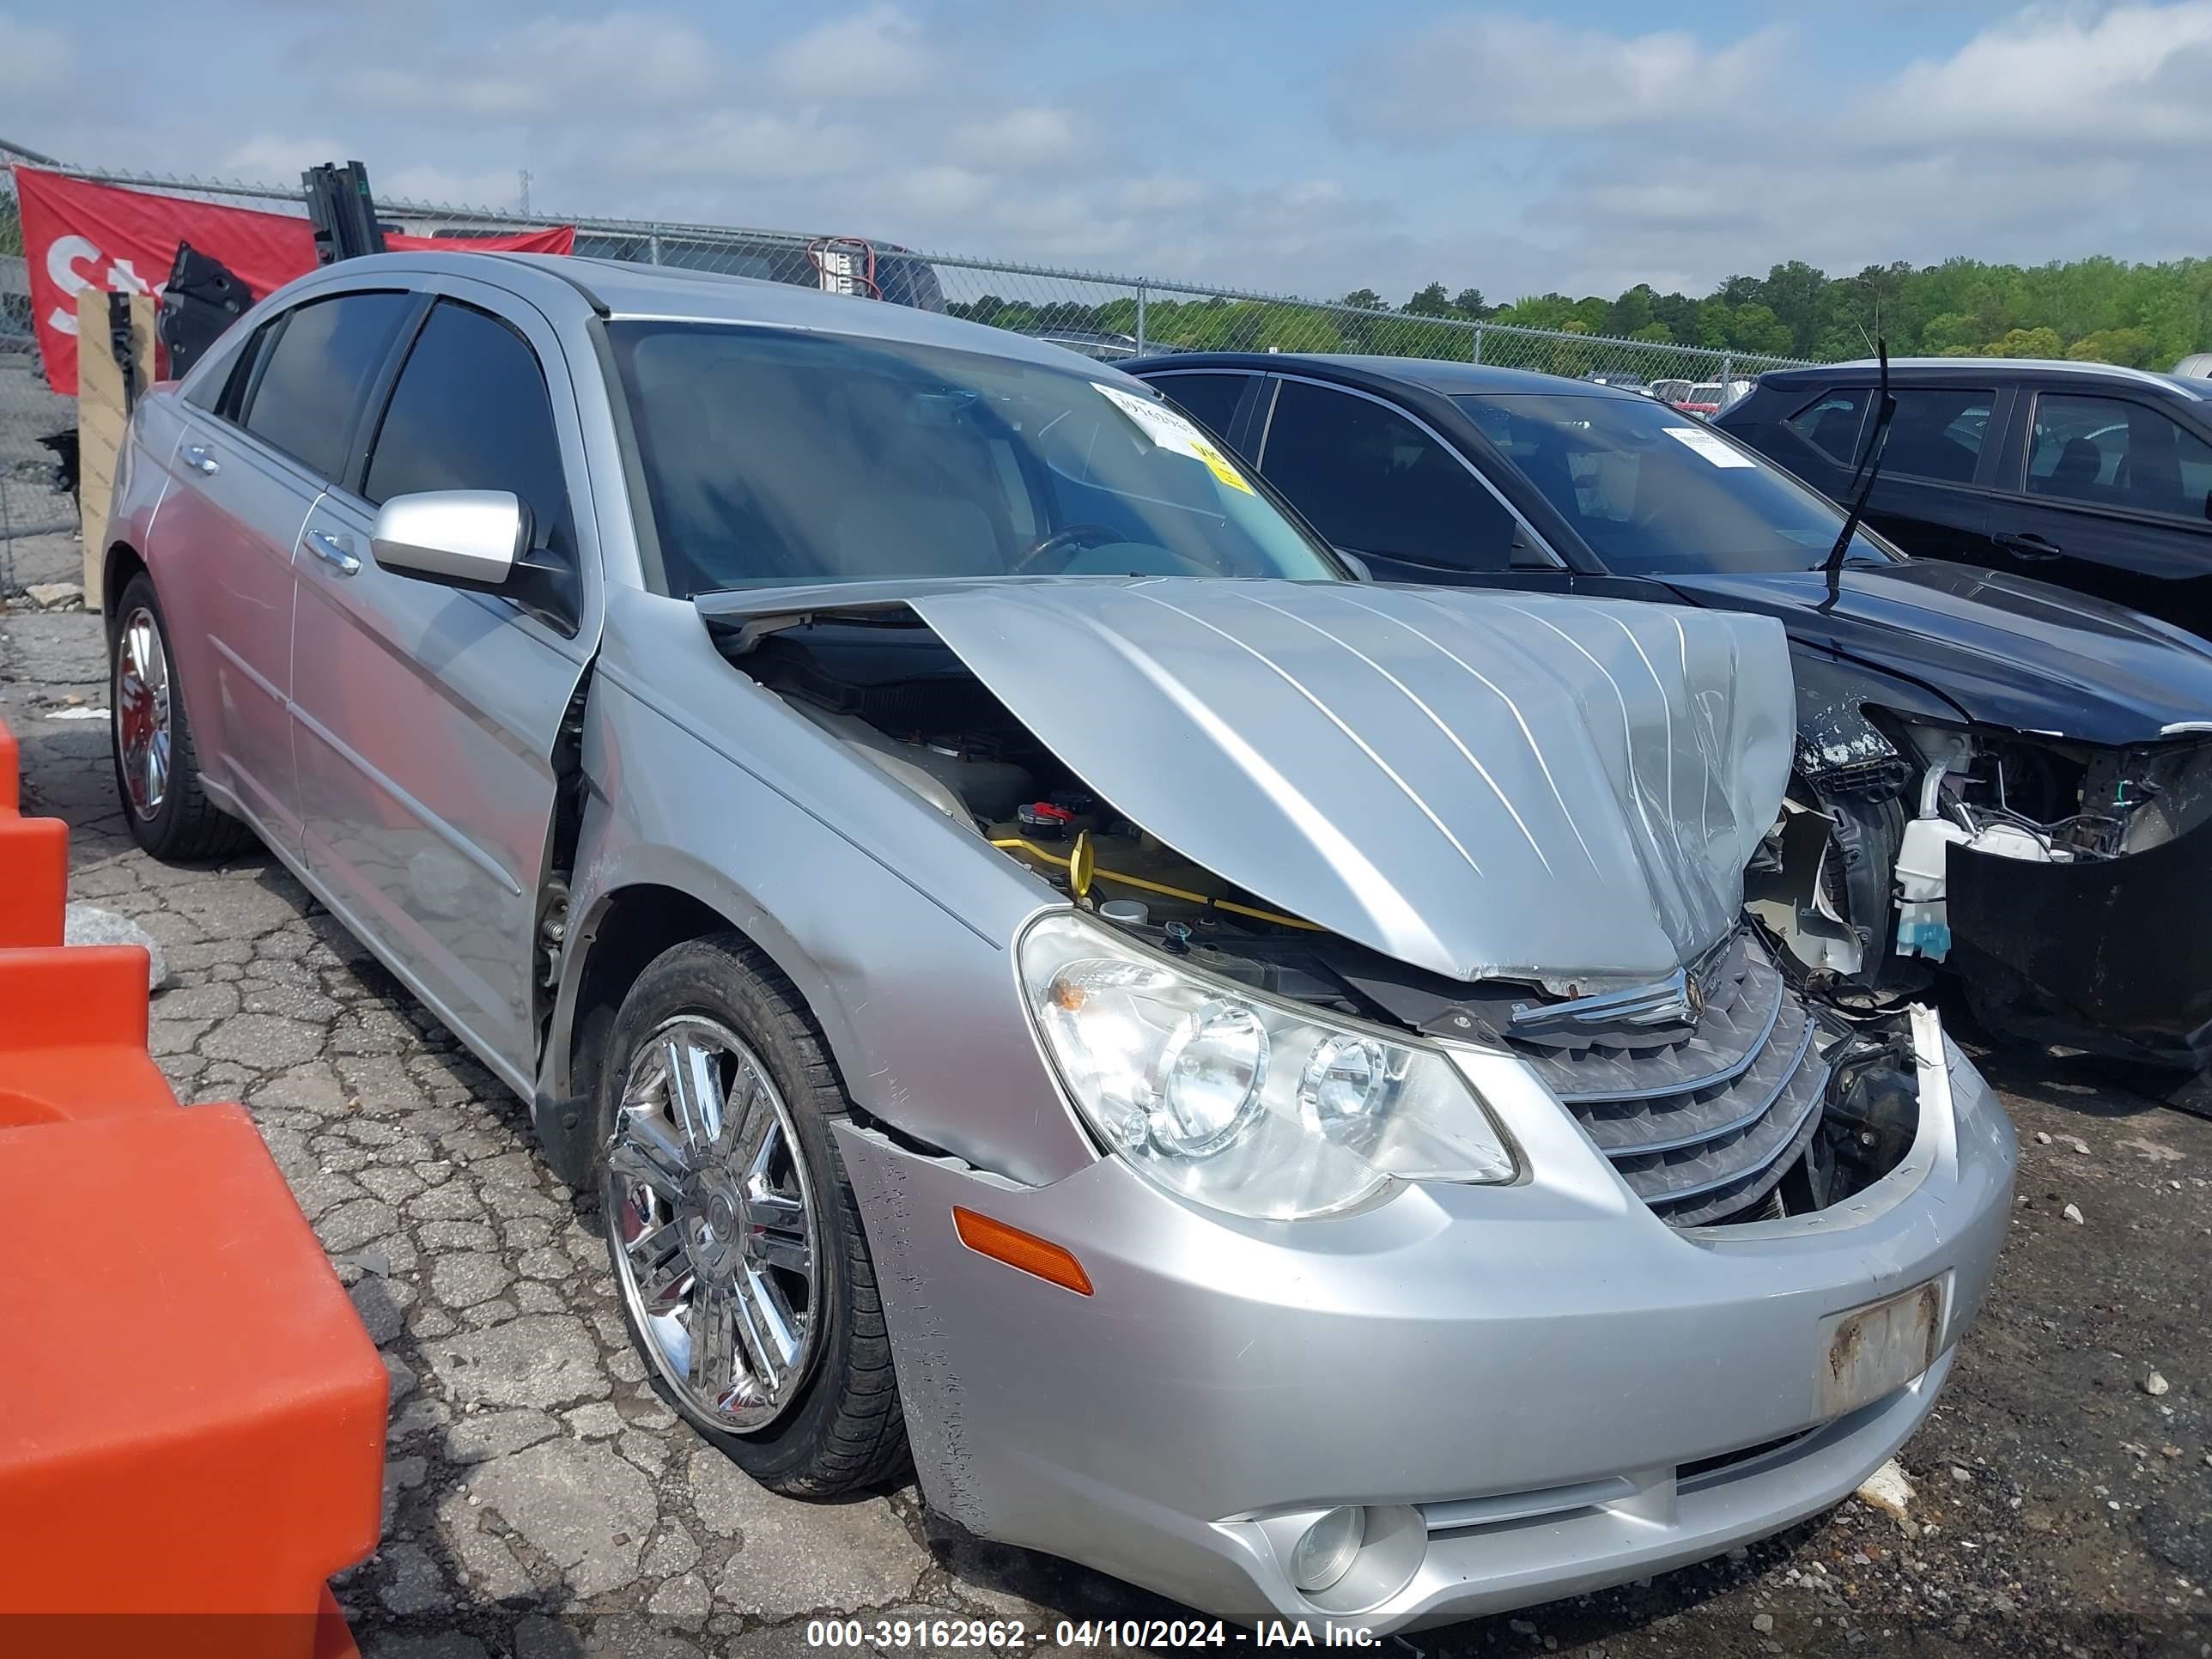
{"x": 1263, "y": 1080}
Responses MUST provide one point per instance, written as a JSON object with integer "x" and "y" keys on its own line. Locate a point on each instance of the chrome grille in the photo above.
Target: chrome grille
{"x": 1705, "y": 1123}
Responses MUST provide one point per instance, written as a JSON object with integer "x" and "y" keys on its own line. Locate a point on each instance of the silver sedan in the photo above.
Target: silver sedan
{"x": 1255, "y": 1080}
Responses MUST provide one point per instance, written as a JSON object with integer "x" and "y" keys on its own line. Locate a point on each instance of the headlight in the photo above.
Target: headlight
{"x": 1258, "y": 1108}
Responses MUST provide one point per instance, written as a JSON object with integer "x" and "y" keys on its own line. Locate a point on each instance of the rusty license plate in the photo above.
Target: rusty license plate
{"x": 1869, "y": 1351}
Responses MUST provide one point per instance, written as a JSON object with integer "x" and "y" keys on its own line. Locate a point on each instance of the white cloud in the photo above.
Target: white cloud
{"x": 280, "y": 158}
{"x": 941, "y": 192}
{"x": 2056, "y": 132}
{"x": 580, "y": 68}
{"x": 2131, "y": 76}
{"x": 1476, "y": 71}
{"x": 750, "y": 144}
{"x": 1031, "y": 136}
{"x": 870, "y": 54}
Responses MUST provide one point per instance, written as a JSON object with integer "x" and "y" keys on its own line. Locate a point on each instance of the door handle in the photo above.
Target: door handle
{"x": 331, "y": 550}
{"x": 201, "y": 460}
{"x": 2028, "y": 545}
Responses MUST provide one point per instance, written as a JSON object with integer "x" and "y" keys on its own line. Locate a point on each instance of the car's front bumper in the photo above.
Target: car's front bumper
{"x": 1520, "y": 1373}
{"x": 2113, "y": 957}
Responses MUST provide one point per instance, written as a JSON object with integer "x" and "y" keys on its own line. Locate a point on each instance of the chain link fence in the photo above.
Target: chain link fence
{"x": 1108, "y": 317}
{"x": 32, "y": 504}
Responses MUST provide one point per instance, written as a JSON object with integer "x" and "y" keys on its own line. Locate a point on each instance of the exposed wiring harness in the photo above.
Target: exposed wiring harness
{"x": 1022, "y": 844}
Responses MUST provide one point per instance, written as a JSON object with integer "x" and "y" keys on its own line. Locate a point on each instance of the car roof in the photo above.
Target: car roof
{"x": 619, "y": 289}
{"x": 1944, "y": 369}
{"x": 1433, "y": 375}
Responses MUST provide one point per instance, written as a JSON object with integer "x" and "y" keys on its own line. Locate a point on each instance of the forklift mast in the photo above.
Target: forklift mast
{"x": 342, "y": 211}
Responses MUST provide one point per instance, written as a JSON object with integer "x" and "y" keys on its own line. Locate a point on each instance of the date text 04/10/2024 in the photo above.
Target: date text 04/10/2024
{"x": 996, "y": 1635}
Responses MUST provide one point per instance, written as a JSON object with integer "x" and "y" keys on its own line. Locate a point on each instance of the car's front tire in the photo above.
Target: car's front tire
{"x": 157, "y": 768}
{"x": 744, "y": 1273}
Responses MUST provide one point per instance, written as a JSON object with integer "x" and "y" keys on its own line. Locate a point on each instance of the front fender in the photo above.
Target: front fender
{"x": 919, "y": 1005}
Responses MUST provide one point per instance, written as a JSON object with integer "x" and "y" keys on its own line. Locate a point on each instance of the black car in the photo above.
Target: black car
{"x": 2095, "y": 478}
{"x": 1991, "y": 772}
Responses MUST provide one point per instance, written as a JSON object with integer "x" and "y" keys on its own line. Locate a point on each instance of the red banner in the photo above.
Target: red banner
{"x": 78, "y": 235}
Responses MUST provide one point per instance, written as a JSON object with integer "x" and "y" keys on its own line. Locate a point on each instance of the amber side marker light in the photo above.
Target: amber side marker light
{"x": 1017, "y": 1249}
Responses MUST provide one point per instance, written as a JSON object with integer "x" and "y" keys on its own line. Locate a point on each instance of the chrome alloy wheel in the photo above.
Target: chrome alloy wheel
{"x": 714, "y": 1224}
{"x": 142, "y": 712}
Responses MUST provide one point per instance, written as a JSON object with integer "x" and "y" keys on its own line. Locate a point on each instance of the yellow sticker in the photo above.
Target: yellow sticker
{"x": 1169, "y": 431}
{"x": 1219, "y": 465}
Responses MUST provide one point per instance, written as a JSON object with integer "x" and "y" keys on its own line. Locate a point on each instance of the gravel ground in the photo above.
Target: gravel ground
{"x": 542, "y": 1502}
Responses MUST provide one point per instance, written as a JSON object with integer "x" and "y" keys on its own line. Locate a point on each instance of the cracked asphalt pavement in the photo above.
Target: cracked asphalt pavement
{"x": 541, "y": 1501}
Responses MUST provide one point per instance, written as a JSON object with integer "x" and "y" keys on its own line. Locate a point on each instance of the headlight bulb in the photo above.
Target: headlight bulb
{"x": 1347, "y": 1079}
{"x": 1210, "y": 1073}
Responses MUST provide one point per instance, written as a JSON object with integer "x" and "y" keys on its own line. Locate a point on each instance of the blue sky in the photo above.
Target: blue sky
{"x": 1312, "y": 149}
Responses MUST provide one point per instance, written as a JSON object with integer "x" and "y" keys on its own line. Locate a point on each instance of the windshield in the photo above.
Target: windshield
{"x": 773, "y": 458}
{"x": 1654, "y": 493}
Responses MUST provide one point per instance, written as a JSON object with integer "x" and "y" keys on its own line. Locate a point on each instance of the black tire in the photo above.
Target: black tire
{"x": 843, "y": 1429}
{"x": 184, "y": 826}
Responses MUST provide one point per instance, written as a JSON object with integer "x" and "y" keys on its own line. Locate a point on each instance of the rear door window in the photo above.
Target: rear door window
{"x": 1938, "y": 432}
{"x": 470, "y": 411}
{"x": 1371, "y": 480}
{"x": 310, "y": 391}
{"x": 2110, "y": 452}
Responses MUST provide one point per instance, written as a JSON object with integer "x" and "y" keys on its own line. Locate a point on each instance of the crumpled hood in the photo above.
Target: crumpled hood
{"x": 1476, "y": 783}
{"x": 2005, "y": 650}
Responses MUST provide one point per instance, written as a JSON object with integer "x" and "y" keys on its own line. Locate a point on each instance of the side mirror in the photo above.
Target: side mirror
{"x": 1357, "y": 565}
{"x": 462, "y": 538}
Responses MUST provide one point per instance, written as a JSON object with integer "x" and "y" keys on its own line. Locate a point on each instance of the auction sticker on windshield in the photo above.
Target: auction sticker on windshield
{"x": 1714, "y": 449}
{"x": 1169, "y": 431}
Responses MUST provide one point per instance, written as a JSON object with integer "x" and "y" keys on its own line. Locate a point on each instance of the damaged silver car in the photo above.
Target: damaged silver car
{"x": 1259, "y": 1083}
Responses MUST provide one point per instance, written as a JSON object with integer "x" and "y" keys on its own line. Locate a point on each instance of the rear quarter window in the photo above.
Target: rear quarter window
{"x": 1830, "y": 425}
{"x": 1210, "y": 400}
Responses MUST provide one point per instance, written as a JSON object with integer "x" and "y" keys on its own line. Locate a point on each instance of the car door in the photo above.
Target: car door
{"x": 428, "y": 718}
{"x": 249, "y": 469}
{"x": 2112, "y": 499}
{"x": 1379, "y": 482}
{"x": 1939, "y": 464}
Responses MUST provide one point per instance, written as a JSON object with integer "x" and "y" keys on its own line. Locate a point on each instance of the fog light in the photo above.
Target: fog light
{"x": 1325, "y": 1550}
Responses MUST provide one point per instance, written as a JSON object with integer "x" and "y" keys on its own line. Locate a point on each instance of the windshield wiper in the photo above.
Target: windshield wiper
{"x": 1869, "y": 469}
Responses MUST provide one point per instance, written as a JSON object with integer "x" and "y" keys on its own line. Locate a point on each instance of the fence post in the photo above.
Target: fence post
{"x": 652, "y": 245}
{"x": 1478, "y": 345}
{"x": 1140, "y": 319}
{"x": 1728, "y": 373}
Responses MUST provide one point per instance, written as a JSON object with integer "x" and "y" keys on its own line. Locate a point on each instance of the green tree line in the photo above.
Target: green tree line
{"x": 2095, "y": 310}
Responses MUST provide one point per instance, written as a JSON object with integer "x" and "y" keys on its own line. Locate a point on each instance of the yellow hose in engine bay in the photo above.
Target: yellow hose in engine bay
{"x": 1022, "y": 843}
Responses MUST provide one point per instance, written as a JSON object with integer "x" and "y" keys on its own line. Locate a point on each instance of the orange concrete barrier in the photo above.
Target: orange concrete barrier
{"x": 33, "y": 863}
{"x": 73, "y": 1035}
{"x": 191, "y": 1414}
{"x": 197, "y": 1418}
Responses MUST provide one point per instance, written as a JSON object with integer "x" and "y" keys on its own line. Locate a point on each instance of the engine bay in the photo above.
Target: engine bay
{"x": 1763, "y": 1133}
{"x": 1881, "y": 832}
